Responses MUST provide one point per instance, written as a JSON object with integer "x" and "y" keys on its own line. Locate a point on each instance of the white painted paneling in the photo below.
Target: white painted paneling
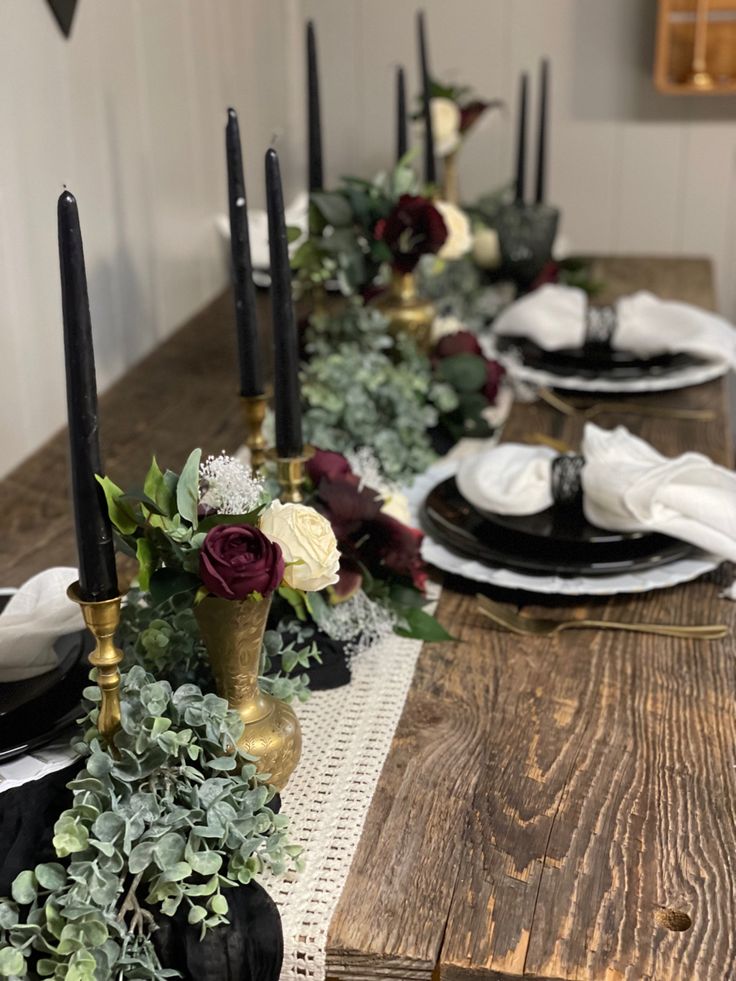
{"x": 130, "y": 112}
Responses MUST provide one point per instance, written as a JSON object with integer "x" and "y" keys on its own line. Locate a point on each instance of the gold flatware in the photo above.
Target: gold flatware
{"x": 545, "y": 627}
{"x": 622, "y": 408}
{"x": 540, "y": 439}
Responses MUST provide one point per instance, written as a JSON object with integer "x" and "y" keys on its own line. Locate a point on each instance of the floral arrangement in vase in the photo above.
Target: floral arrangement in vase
{"x": 213, "y": 534}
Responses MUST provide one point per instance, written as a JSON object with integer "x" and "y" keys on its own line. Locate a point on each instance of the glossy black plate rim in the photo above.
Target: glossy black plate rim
{"x": 588, "y": 363}
{"x": 462, "y": 542}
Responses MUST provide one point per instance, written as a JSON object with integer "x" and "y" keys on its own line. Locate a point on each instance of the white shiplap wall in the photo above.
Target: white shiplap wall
{"x": 130, "y": 114}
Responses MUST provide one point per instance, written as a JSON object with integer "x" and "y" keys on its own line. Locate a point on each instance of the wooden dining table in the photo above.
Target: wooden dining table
{"x": 551, "y": 807}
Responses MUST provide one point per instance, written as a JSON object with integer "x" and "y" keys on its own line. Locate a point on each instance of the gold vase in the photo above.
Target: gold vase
{"x": 450, "y": 190}
{"x": 232, "y": 631}
{"x": 405, "y": 310}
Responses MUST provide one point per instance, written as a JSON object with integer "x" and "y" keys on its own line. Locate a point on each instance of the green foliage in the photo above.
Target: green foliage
{"x": 363, "y": 388}
{"x": 159, "y": 525}
{"x": 341, "y": 244}
{"x": 174, "y": 814}
{"x": 164, "y": 639}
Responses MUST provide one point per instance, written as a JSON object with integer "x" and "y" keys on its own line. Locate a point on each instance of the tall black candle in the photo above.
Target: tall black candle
{"x": 285, "y": 344}
{"x": 521, "y": 140}
{"x": 314, "y": 122}
{"x": 542, "y": 133}
{"x": 402, "y": 139}
{"x": 430, "y": 171}
{"x": 97, "y": 576}
{"x": 246, "y": 321}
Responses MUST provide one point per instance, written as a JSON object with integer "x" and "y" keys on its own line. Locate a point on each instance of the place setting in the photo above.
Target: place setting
{"x": 556, "y": 337}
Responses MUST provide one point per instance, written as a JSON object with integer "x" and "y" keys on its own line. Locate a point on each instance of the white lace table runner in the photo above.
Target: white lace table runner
{"x": 347, "y": 734}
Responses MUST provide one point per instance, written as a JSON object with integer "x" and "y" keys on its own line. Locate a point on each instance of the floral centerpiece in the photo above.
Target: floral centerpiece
{"x": 213, "y": 534}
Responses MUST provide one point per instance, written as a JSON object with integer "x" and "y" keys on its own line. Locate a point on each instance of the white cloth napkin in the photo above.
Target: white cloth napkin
{"x": 296, "y": 215}
{"x": 555, "y": 317}
{"x": 627, "y": 486}
{"x": 33, "y": 619}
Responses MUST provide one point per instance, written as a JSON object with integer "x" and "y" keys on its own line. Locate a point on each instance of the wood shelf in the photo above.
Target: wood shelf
{"x": 676, "y": 38}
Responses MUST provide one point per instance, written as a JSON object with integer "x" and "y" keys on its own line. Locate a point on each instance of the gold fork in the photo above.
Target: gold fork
{"x": 545, "y": 627}
{"x": 623, "y": 408}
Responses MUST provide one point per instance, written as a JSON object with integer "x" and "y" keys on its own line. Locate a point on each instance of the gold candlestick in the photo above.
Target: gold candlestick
{"x": 102, "y": 619}
{"x": 290, "y": 474}
{"x": 254, "y": 412}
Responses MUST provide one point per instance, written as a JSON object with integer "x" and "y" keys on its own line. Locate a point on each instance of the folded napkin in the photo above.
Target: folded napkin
{"x": 33, "y": 619}
{"x": 627, "y": 486}
{"x": 296, "y": 215}
{"x": 557, "y": 317}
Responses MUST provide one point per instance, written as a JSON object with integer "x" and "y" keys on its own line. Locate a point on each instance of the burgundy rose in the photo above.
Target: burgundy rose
{"x": 326, "y": 463}
{"x": 237, "y": 560}
{"x": 413, "y": 229}
{"x": 494, "y": 374}
{"x": 396, "y": 546}
{"x": 346, "y": 505}
{"x": 461, "y": 342}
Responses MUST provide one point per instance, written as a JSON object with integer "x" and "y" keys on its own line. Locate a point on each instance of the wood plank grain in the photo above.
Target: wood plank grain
{"x": 601, "y": 842}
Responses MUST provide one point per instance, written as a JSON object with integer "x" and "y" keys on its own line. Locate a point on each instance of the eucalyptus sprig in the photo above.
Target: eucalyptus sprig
{"x": 175, "y": 814}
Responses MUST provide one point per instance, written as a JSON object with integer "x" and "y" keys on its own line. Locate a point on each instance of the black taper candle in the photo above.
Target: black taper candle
{"x": 402, "y": 136}
{"x": 97, "y": 575}
{"x": 542, "y": 133}
{"x": 521, "y": 140}
{"x": 314, "y": 121}
{"x": 246, "y": 320}
{"x": 287, "y": 402}
{"x": 430, "y": 171}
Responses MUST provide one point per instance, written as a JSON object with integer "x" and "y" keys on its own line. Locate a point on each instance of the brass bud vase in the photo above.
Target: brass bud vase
{"x": 450, "y": 190}
{"x": 232, "y": 631}
{"x": 405, "y": 310}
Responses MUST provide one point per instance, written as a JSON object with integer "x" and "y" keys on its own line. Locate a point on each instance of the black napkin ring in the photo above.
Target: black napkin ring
{"x": 600, "y": 324}
{"x": 565, "y": 478}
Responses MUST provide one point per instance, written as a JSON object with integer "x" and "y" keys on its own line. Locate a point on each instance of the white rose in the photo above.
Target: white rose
{"x": 445, "y": 125}
{"x": 486, "y": 249}
{"x": 459, "y": 238}
{"x": 307, "y": 540}
{"x": 444, "y": 326}
{"x": 396, "y": 505}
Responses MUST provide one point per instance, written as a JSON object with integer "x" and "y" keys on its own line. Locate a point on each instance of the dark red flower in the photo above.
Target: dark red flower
{"x": 471, "y": 113}
{"x": 462, "y": 342}
{"x": 494, "y": 374}
{"x": 413, "y": 229}
{"x": 549, "y": 274}
{"x": 238, "y": 560}
{"x": 396, "y": 547}
{"x": 326, "y": 463}
{"x": 345, "y": 505}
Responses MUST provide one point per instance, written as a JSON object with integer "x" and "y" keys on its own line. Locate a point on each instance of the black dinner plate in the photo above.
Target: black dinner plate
{"x": 559, "y": 541}
{"x": 595, "y": 360}
{"x": 35, "y": 711}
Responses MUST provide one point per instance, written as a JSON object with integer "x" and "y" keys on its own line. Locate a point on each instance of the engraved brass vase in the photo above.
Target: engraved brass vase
{"x": 232, "y": 631}
{"x": 405, "y": 310}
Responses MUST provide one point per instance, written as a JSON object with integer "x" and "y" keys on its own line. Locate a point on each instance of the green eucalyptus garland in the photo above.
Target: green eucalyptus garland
{"x": 174, "y": 814}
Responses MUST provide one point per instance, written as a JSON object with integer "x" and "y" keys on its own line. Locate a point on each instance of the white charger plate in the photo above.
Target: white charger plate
{"x": 662, "y": 577}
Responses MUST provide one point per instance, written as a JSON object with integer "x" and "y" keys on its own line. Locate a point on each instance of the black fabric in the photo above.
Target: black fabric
{"x": 333, "y": 672}
{"x": 249, "y": 949}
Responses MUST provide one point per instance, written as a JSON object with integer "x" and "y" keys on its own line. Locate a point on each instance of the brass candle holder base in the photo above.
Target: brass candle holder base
{"x": 290, "y": 474}
{"x": 701, "y": 79}
{"x": 102, "y": 619}
{"x": 254, "y": 412}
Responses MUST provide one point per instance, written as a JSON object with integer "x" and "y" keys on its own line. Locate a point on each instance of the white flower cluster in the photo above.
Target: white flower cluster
{"x": 228, "y": 486}
{"x": 359, "y": 622}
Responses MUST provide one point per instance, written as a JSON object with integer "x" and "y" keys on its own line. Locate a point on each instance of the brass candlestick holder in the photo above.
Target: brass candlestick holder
{"x": 102, "y": 619}
{"x": 290, "y": 474}
{"x": 699, "y": 76}
{"x": 254, "y": 412}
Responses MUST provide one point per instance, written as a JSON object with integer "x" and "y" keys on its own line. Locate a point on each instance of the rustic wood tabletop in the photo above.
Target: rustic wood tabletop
{"x": 551, "y": 808}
